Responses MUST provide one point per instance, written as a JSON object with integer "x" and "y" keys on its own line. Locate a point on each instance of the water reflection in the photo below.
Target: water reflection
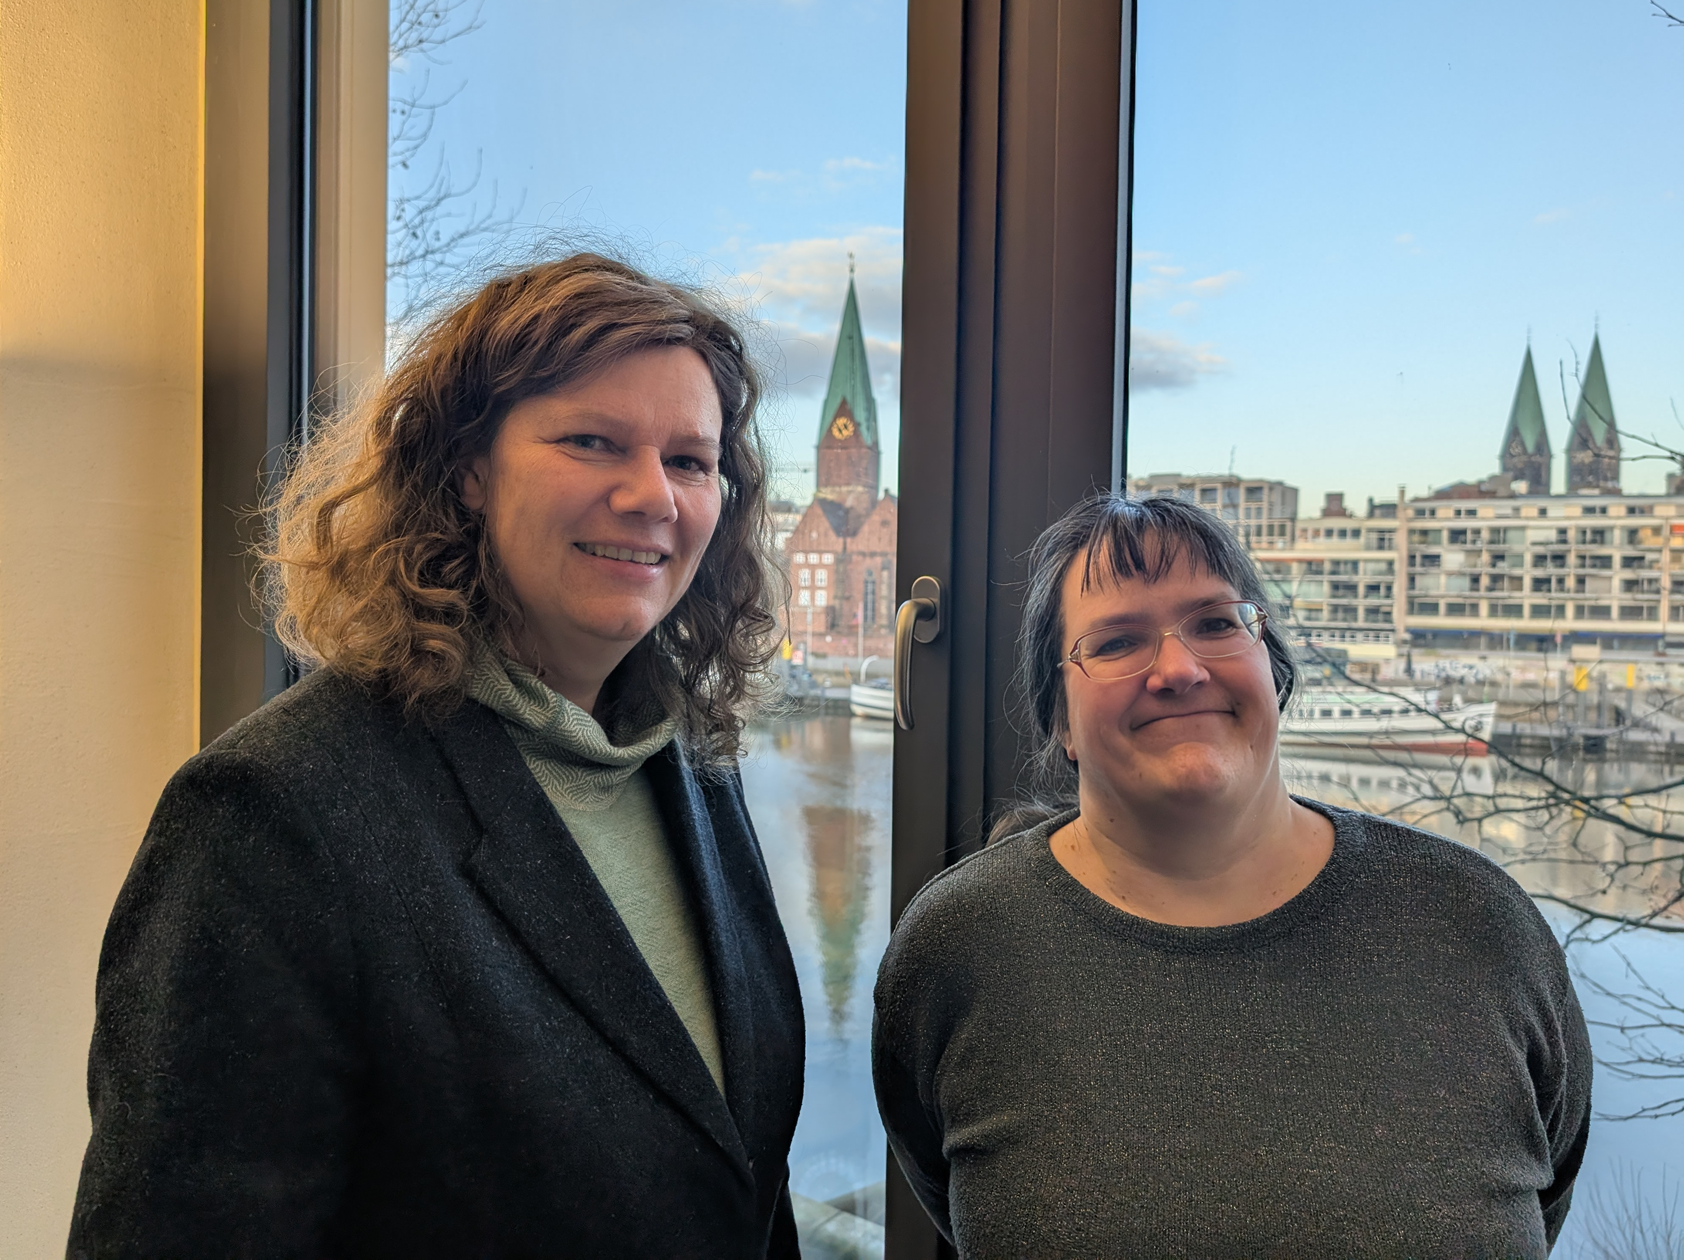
{"x": 840, "y": 862}
{"x": 1609, "y": 858}
{"x": 818, "y": 789}
{"x": 1556, "y": 851}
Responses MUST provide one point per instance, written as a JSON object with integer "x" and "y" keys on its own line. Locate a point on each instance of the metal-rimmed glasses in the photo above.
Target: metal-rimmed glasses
{"x": 1212, "y": 632}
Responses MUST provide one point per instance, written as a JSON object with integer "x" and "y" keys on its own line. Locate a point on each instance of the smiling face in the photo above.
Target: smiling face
{"x": 1188, "y": 731}
{"x": 600, "y": 499}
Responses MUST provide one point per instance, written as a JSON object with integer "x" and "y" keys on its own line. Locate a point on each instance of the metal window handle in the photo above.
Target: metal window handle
{"x": 918, "y": 618}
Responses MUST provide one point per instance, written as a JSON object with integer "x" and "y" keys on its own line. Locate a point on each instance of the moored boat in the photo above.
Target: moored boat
{"x": 873, "y": 699}
{"x": 1388, "y": 722}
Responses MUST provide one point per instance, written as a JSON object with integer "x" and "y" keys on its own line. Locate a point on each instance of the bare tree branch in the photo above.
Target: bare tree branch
{"x": 432, "y": 222}
{"x": 1610, "y": 854}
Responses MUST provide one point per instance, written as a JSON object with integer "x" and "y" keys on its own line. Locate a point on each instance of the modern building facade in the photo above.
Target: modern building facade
{"x": 1531, "y": 572}
{"x": 1262, "y": 513}
{"x": 1495, "y": 564}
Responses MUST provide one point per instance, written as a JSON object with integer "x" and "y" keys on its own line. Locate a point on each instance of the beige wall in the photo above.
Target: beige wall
{"x": 100, "y": 174}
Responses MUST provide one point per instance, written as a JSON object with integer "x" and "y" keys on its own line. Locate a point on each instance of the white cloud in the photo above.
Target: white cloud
{"x": 1161, "y": 361}
{"x": 1404, "y": 238}
{"x": 1209, "y": 286}
{"x": 837, "y": 166}
{"x": 1156, "y": 279}
{"x": 796, "y": 289}
{"x": 834, "y": 175}
{"x": 1553, "y": 216}
{"x": 1184, "y": 310}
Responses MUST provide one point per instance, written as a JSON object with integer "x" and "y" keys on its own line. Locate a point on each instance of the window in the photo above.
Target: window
{"x": 790, "y": 198}
{"x": 1267, "y": 137}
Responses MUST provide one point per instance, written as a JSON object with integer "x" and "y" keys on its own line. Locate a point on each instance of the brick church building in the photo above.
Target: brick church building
{"x": 841, "y": 556}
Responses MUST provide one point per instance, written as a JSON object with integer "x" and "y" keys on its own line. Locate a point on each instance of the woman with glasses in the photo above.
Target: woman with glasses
{"x": 1186, "y": 1013}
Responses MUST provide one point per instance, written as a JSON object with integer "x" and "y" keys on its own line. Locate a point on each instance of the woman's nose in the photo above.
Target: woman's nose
{"x": 643, "y": 488}
{"x": 1177, "y": 667}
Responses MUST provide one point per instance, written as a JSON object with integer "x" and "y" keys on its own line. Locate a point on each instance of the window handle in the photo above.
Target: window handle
{"x": 919, "y": 618}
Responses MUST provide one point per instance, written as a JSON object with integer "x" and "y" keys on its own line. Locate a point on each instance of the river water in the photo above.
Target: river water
{"x": 819, "y": 792}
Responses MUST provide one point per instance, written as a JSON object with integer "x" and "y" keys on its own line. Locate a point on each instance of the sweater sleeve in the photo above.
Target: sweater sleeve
{"x": 904, "y": 1052}
{"x": 1562, "y": 1082}
{"x": 221, "y": 1070}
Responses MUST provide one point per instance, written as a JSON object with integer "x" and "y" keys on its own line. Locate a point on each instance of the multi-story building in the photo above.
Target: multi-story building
{"x": 1497, "y": 564}
{"x": 1536, "y": 572}
{"x": 1261, "y": 513}
{"x": 1337, "y": 584}
{"x": 1527, "y": 573}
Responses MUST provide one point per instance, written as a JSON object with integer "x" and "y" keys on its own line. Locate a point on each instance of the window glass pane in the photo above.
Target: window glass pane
{"x": 1406, "y": 280}
{"x": 754, "y": 146}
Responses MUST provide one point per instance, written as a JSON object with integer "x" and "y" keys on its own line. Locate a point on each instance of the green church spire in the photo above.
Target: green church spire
{"x": 850, "y": 375}
{"x": 1526, "y": 416}
{"x": 1594, "y": 416}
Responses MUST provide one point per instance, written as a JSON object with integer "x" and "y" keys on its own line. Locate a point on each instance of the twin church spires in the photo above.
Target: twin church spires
{"x": 1593, "y": 445}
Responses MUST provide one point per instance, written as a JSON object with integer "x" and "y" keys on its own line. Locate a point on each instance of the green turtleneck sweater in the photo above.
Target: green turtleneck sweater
{"x": 603, "y": 796}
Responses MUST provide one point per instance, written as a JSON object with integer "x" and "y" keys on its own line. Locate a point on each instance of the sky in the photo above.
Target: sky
{"x": 750, "y": 145}
{"x": 1349, "y": 219}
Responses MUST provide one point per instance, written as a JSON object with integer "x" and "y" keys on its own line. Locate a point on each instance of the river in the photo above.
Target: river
{"x": 819, "y": 791}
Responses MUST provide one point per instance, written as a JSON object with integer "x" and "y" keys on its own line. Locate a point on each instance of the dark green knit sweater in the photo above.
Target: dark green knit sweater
{"x": 1392, "y": 1064}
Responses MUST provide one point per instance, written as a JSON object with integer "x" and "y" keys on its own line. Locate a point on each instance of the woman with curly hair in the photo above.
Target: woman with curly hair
{"x": 464, "y": 945}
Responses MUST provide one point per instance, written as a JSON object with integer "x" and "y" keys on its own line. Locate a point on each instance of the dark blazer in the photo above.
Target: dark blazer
{"x": 362, "y": 996}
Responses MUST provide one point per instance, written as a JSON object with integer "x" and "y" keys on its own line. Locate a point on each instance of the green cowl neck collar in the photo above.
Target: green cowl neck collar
{"x": 572, "y": 757}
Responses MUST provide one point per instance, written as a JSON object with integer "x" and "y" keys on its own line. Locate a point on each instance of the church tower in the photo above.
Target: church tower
{"x": 1526, "y": 443}
{"x": 1593, "y": 447}
{"x": 848, "y": 454}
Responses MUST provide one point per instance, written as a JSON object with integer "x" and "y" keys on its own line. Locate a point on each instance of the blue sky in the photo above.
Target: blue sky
{"x": 1348, "y": 217}
{"x": 747, "y": 143}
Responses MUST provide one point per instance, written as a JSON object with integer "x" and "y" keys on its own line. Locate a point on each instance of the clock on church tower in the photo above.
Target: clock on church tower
{"x": 842, "y": 428}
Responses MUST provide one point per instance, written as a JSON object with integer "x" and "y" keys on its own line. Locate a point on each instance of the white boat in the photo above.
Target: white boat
{"x": 1420, "y": 722}
{"x": 874, "y": 699}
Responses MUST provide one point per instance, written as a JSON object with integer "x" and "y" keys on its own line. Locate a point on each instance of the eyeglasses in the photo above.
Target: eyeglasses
{"x": 1211, "y": 632}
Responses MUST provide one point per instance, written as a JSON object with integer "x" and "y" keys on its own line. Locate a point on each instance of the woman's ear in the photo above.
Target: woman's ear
{"x": 476, "y": 482}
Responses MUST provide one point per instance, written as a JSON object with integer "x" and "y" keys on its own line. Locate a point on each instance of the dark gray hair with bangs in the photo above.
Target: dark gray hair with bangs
{"x": 1113, "y": 538}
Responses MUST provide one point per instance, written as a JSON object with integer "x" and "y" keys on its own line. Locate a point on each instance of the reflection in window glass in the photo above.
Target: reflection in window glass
{"x": 754, "y": 146}
{"x": 1405, "y": 282}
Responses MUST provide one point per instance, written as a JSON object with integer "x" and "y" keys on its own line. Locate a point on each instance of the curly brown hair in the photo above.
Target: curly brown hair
{"x": 377, "y": 570}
